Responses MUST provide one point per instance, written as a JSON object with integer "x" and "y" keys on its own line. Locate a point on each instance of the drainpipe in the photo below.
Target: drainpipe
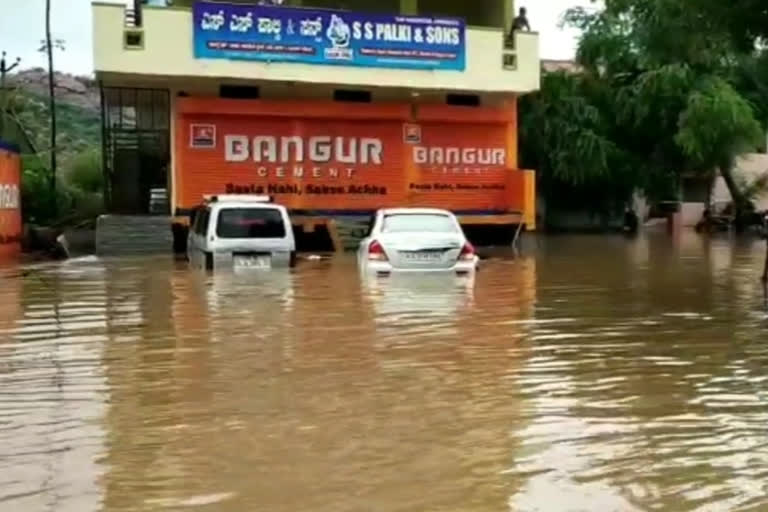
{"x": 509, "y": 15}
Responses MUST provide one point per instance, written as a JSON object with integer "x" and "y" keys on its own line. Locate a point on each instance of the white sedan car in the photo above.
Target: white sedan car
{"x": 416, "y": 240}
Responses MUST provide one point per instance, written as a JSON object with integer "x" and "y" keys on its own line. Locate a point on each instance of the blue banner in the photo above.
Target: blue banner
{"x": 316, "y": 36}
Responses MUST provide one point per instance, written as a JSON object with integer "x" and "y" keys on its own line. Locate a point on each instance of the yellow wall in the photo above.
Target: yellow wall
{"x": 485, "y": 13}
{"x": 356, "y": 5}
{"x": 168, "y": 53}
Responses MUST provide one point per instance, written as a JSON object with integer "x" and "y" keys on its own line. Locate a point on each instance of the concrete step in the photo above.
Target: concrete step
{"x": 133, "y": 234}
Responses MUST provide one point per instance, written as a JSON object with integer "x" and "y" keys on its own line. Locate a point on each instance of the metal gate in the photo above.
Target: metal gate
{"x": 136, "y": 148}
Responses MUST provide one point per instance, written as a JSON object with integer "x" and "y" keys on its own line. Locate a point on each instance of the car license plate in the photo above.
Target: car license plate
{"x": 253, "y": 262}
{"x": 424, "y": 257}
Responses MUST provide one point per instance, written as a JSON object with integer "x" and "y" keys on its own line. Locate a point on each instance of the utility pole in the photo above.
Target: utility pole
{"x": 51, "y": 103}
{"x": 4, "y": 70}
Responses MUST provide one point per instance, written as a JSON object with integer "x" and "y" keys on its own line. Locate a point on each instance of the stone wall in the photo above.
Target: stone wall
{"x": 118, "y": 235}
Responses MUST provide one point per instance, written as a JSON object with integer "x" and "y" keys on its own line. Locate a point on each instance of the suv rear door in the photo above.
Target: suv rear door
{"x": 254, "y": 230}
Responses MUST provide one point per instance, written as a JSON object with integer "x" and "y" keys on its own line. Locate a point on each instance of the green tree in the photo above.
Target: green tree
{"x": 85, "y": 171}
{"x": 79, "y": 194}
{"x": 717, "y": 125}
{"x": 672, "y": 88}
{"x": 744, "y": 21}
{"x": 567, "y": 134}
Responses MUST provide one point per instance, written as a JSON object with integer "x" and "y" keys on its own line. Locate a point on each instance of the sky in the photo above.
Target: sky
{"x": 22, "y": 27}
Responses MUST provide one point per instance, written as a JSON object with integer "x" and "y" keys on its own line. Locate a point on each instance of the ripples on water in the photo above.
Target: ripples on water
{"x": 592, "y": 374}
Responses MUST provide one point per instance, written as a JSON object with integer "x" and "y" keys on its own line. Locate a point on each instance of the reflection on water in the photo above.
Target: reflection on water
{"x": 592, "y": 374}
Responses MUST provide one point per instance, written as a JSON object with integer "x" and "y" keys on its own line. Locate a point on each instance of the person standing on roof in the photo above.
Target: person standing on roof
{"x": 520, "y": 22}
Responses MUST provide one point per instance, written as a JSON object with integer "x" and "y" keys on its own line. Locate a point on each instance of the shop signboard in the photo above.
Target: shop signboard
{"x": 10, "y": 201}
{"x": 324, "y": 162}
{"x": 321, "y": 36}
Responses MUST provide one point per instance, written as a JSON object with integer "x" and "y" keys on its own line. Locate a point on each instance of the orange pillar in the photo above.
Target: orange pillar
{"x": 512, "y": 134}
{"x": 10, "y": 202}
{"x": 529, "y": 177}
{"x": 529, "y": 200}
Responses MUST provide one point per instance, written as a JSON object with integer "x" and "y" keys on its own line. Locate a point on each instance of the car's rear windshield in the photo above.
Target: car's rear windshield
{"x": 250, "y": 223}
{"x": 418, "y": 222}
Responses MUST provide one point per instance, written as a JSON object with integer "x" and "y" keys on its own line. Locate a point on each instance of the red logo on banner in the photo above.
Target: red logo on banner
{"x": 412, "y": 133}
{"x": 203, "y": 136}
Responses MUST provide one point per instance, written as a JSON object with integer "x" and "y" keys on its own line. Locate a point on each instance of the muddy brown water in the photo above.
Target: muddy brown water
{"x": 592, "y": 374}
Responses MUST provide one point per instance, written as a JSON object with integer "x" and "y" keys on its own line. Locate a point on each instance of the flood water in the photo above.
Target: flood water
{"x": 590, "y": 374}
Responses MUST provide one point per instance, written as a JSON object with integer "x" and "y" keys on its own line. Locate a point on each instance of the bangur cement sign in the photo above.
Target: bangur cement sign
{"x": 350, "y": 151}
{"x": 320, "y": 149}
{"x": 10, "y": 201}
{"x": 454, "y": 158}
{"x": 332, "y": 163}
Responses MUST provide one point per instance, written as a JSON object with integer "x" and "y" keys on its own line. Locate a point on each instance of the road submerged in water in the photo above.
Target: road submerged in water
{"x": 591, "y": 374}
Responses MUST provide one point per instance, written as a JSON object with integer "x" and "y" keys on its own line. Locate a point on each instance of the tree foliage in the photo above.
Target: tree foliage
{"x": 569, "y": 130}
{"x": 80, "y": 128}
{"x": 79, "y": 194}
{"x": 668, "y": 88}
{"x": 85, "y": 171}
{"x": 716, "y": 125}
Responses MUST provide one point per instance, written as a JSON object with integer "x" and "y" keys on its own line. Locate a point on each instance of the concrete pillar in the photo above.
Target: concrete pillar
{"x": 529, "y": 201}
{"x": 510, "y": 105}
{"x": 509, "y": 14}
{"x": 173, "y": 179}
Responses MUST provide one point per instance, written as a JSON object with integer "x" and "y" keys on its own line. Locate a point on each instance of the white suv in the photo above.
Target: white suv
{"x": 240, "y": 231}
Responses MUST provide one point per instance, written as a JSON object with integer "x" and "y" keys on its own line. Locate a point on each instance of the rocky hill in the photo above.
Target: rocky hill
{"x": 78, "y": 91}
{"x": 79, "y": 173}
{"x": 78, "y": 106}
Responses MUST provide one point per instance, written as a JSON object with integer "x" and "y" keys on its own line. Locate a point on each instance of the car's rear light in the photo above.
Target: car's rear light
{"x": 376, "y": 252}
{"x": 467, "y": 252}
